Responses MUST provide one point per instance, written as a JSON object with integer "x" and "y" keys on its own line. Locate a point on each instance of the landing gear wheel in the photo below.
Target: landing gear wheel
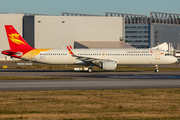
{"x": 90, "y": 70}
{"x": 156, "y": 68}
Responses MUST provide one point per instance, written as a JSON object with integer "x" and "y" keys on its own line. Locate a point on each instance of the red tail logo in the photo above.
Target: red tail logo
{"x": 15, "y": 39}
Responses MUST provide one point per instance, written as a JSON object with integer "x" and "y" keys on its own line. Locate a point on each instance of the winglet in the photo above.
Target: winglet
{"x": 70, "y": 46}
{"x": 70, "y": 51}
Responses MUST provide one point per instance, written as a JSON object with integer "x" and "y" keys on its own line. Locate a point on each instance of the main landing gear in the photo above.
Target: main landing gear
{"x": 156, "y": 68}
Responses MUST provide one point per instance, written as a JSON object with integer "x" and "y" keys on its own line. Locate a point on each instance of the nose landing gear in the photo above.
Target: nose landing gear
{"x": 156, "y": 68}
{"x": 90, "y": 67}
{"x": 90, "y": 70}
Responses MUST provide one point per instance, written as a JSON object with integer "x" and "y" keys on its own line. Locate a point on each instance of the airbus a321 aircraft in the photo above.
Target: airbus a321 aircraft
{"x": 106, "y": 59}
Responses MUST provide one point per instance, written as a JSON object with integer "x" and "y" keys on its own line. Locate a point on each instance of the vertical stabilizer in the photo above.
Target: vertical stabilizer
{"x": 15, "y": 39}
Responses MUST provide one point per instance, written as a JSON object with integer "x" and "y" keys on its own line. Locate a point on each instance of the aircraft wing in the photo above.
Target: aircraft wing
{"x": 87, "y": 59}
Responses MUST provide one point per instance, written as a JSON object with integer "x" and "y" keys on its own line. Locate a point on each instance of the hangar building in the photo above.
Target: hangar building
{"x": 165, "y": 27}
{"x": 45, "y": 31}
{"x": 147, "y": 32}
{"x": 137, "y": 29}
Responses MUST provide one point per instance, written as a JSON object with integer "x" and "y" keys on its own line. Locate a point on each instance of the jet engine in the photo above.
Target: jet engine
{"x": 108, "y": 65}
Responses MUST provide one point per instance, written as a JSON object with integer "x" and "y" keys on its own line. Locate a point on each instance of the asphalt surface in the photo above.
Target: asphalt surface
{"x": 87, "y": 81}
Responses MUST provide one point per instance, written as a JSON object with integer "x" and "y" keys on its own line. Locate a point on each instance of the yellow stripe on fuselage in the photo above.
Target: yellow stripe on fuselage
{"x": 31, "y": 54}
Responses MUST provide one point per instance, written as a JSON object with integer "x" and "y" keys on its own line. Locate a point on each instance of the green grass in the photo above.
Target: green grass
{"x": 140, "y": 104}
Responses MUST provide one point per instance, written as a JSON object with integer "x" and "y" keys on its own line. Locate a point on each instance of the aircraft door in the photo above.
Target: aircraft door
{"x": 103, "y": 55}
{"x": 157, "y": 55}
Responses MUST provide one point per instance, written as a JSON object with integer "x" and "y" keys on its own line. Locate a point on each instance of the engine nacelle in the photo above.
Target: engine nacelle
{"x": 108, "y": 65}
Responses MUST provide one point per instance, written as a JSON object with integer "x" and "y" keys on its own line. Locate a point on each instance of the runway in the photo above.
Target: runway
{"x": 89, "y": 81}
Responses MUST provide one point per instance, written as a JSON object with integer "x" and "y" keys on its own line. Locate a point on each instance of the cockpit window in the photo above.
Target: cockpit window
{"x": 168, "y": 54}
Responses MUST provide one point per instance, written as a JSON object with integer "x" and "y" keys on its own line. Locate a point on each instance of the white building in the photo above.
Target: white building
{"x": 42, "y": 31}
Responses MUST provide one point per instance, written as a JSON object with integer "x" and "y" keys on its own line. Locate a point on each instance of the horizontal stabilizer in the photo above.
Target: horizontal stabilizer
{"x": 11, "y": 53}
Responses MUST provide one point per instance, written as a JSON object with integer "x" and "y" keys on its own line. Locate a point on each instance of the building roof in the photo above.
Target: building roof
{"x": 101, "y": 44}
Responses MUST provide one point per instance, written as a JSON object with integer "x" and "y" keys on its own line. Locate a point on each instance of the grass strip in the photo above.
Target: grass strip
{"x": 136, "y": 104}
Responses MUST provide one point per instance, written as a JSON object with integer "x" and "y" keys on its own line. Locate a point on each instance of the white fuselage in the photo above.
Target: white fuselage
{"x": 121, "y": 56}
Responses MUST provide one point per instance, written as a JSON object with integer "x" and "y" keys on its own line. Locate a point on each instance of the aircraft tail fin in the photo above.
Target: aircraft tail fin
{"x": 15, "y": 39}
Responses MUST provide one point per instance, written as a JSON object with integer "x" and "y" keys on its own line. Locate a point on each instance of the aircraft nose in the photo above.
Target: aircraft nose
{"x": 175, "y": 59}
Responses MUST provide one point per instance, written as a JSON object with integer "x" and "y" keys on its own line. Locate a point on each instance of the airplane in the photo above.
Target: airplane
{"x": 106, "y": 59}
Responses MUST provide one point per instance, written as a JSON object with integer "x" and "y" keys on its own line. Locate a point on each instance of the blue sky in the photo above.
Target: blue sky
{"x": 97, "y": 7}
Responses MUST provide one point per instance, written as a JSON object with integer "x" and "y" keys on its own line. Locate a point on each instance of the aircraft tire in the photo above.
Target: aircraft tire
{"x": 90, "y": 70}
